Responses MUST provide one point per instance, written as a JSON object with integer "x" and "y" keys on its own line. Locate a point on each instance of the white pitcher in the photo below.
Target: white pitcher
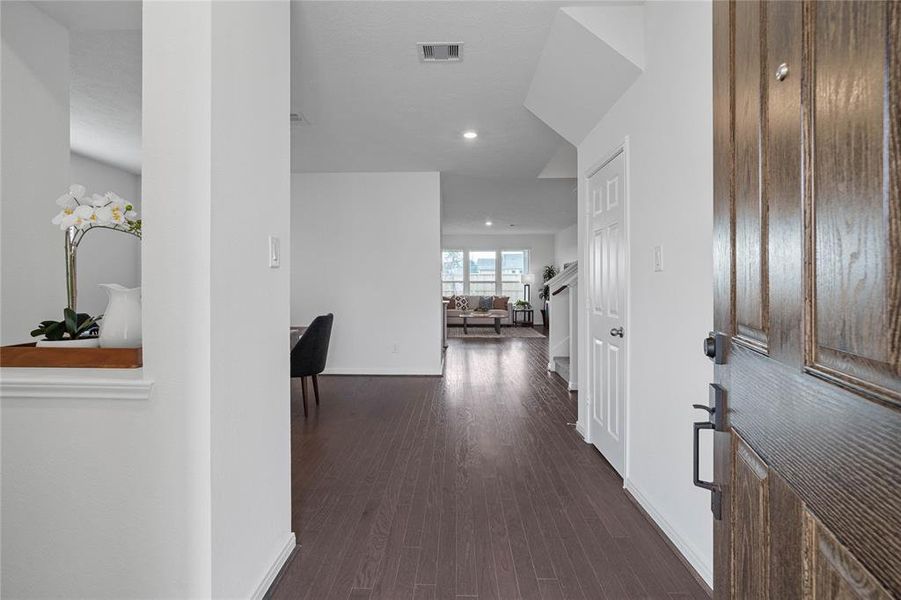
{"x": 120, "y": 326}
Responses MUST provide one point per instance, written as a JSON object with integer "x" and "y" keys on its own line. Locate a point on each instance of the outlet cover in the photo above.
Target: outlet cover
{"x": 275, "y": 252}
{"x": 658, "y": 258}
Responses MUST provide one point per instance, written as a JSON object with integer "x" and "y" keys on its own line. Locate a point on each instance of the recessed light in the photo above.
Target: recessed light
{"x": 488, "y": 223}
{"x": 470, "y": 135}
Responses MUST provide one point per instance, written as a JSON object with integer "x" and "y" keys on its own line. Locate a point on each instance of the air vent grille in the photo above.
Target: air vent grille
{"x": 440, "y": 52}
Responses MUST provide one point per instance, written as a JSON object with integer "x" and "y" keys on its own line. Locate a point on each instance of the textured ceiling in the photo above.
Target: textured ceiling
{"x": 531, "y": 205}
{"x": 105, "y": 97}
{"x": 374, "y": 106}
{"x": 105, "y": 87}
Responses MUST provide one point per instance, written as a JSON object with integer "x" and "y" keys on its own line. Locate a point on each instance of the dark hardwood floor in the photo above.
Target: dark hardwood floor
{"x": 466, "y": 486}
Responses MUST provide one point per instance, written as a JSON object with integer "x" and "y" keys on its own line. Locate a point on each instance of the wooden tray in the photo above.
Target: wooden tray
{"x": 28, "y": 355}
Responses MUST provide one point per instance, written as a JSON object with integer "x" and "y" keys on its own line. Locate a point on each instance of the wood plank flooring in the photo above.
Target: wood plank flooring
{"x": 466, "y": 486}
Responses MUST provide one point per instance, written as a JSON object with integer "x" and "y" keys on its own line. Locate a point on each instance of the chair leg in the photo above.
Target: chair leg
{"x": 303, "y": 387}
{"x": 316, "y": 388}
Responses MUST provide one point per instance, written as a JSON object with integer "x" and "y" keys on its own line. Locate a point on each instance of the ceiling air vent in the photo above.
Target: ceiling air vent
{"x": 440, "y": 52}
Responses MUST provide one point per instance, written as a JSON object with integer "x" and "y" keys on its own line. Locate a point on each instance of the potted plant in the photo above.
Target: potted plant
{"x": 79, "y": 213}
{"x": 76, "y": 330}
{"x": 549, "y": 272}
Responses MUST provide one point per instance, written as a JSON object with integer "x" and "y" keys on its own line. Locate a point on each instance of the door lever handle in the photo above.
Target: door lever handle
{"x": 709, "y": 409}
{"x": 616, "y": 331}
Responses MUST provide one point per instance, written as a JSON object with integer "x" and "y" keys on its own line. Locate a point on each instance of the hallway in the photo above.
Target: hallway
{"x": 471, "y": 485}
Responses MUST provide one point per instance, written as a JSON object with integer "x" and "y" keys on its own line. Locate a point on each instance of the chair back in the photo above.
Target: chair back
{"x": 311, "y": 351}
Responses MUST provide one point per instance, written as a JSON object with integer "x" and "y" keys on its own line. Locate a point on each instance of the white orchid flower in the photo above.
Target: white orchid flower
{"x": 115, "y": 199}
{"x": 97, "y": 201}
{"x": 77, "y": 191}
{"x": 66, "y": 201}
{"x": 69, "y": 220}
{"x": 104, "y": 214}
{"x": 131, "y": 215}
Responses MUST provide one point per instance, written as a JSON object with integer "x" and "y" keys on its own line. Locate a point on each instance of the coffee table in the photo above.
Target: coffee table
{"x": 481, "y": 315}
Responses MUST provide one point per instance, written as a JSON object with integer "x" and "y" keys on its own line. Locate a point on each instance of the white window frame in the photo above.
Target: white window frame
{"x": 498, "y": 268}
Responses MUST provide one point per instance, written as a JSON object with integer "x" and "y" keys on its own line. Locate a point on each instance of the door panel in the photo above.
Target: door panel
{"x": 750, "y": 204}
{"x": 855, "y": 252}
{"x": 807, "y": 165}
{"x": 750, "y": 565}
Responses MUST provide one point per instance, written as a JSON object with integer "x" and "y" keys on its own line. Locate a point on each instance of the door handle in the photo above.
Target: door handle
{"x": 616, "y": 331}
{"x": 715, "y": 422}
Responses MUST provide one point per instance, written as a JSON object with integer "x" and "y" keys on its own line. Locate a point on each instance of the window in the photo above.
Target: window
{"x": 513, "y": 267}
{"x": 484, "y": 272}
{"x": 451, "y": 272}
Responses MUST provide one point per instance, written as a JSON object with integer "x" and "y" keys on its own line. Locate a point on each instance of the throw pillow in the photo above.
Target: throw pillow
{"x": 461, "y": 302}
{"x": 500, "y": 302}
{"x": 486, "y": 302}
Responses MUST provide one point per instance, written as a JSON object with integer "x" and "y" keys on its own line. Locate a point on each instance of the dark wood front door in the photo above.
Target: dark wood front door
{"x": 807, "y": 251}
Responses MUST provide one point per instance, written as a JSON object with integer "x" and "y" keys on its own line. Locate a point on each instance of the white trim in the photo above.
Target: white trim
{"x": 272, "y": 572}
{"x": 75, "y": 388}
{"x": 580, "y": 429}
{"x": 688, "y": 551}
{"x": 573, "y": 386}
{"x": 380, "y": 371}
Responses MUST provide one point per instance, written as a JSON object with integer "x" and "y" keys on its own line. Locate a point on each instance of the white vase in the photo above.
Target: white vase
{"x": 120, "y": 326}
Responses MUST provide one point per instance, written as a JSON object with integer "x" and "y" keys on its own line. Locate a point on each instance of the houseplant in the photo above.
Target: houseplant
{"x": 72, "y": 332}
{"x": 548, "y": 273}
{"x": 79, "y": 213}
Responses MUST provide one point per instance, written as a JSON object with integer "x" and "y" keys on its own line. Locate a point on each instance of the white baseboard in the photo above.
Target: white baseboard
{"x": 573, "y": 386}
{"x": 550, "y": 367}
{"x": 580, "y": 429}
{"x": 380, "y": 371}
{"x": 688, "y": 551}
{"x": 272, "y": 572}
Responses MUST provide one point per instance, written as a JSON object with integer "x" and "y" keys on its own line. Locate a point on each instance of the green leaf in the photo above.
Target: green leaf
{"x": 71, "y": 321}
{"x": 37, "y": 332}
{"x": 55, "y": 332}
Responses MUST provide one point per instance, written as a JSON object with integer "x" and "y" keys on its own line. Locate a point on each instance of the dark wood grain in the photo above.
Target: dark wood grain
{"x": 786, "y": 533}
{"x": 839, "y": 451}
{"x": 750, "y": 206}
{"x": 832, "y": 571}
{"x": 466, "y": 486}
{"x": 723, "y": 166}
{"x": 28, "y": 355}
{"x": 750, "y": 524}
{"x": 855, "y": 296}
{"x": 783, "y": 176}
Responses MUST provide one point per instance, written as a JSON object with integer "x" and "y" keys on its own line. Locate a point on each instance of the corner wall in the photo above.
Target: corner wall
{"x": 667, "y": 114}
{"x": 34, "y": 117}
{"x": 367, "y": 247}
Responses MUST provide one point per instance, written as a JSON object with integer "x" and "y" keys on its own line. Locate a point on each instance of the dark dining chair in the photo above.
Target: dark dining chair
{"x": 309, "y": 355}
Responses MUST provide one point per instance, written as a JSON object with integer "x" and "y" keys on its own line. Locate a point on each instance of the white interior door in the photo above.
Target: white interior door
{"x": 606, "y": 313}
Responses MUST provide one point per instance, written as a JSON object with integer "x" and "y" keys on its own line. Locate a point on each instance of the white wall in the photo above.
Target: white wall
{"x": 667, "y": 116}
{"x": 566, "y": 245}
{"x": 250, "y": 304}
{"x": 540, "y": 247}
{"x": 185, "y": 493}
{"x": 367, "y": 247}
{"x": 105, "y": 256}
{"x": 35, "y": 159}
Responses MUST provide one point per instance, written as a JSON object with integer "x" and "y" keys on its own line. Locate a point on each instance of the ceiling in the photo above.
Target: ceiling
{"x": 105, "y": 87}
{"x": 368, "y": 101}
{"x": 374, "y": 106}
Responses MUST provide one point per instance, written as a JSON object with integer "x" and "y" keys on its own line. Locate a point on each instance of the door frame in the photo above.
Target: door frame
{"x": 585, "y": 341}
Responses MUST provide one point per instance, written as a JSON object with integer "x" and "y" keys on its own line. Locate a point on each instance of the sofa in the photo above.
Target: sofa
{"x": 501, "y": 305}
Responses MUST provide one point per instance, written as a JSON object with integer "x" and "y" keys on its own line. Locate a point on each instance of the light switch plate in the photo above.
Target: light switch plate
{"x": 658, "y": 258}
{"x": 275, "y": 252}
